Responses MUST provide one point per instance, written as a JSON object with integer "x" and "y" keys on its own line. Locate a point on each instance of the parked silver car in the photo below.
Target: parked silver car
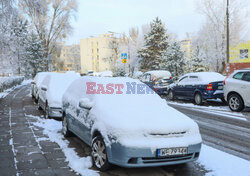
{"x": 127, "y": 125}
{"x": 36, "y": 83}
{"x": 237, "y": 89}
{"x": 51, "y": 91}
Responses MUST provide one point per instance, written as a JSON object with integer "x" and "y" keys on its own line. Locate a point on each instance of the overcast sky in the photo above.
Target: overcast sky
{"x": 99, "y": 16}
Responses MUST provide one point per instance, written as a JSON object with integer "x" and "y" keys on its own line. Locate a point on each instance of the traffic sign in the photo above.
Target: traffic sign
{"x": 124, "y": 56}
{"x": 124, "y": 61}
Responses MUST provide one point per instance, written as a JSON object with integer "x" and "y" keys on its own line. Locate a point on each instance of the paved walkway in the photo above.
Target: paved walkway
{"x": 21, "y": 153}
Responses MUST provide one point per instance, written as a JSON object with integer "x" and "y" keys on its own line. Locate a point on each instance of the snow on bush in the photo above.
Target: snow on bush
{"x": 9, "y": 82}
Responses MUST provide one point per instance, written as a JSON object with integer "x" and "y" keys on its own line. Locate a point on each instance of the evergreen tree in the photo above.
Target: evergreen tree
{"x": 197, "y": 61}
{"x": 174, "y": 60}
{"x": 34, "y": 57}
{"x": 155, "y": 46}
{"x": 19, "y": 32}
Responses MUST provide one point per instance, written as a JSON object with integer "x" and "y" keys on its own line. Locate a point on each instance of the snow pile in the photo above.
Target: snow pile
{"x": 57, "y": 84}
{"x": 132, "y": 118}
{"x": 8, "y": 82}
{"x": 222, "y": 163}
{"x": 52, "y": 128}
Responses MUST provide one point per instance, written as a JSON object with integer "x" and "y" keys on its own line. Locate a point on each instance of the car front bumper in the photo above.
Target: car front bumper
{"x": 145, "y": 157}
{"x": 55, "y": 112}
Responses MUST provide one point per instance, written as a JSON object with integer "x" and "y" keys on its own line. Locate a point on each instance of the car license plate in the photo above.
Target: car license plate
{"x": 220, "y": 87}
{"x": 172, "y": 151}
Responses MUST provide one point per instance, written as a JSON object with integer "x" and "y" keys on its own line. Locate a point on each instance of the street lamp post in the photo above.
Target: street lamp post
{"x": 227, "y": 21}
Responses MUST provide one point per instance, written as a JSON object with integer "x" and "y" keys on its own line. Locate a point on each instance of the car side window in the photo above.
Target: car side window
{"x": 239, "y": 75}
{"x": 246, "y": 76}
{"x": 193, "y": 78}
{"x": 183, "y": 80}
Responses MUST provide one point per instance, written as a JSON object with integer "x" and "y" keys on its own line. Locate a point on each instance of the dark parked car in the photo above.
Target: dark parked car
{"x": 198, "y": 87}
{"x": 158, "y": 80}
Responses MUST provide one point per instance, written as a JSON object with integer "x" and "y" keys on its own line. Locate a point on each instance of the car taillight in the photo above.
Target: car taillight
{"x": 209, "y": 87}
{"x": 171, "y": 77}
{"x": 155, "y": 89}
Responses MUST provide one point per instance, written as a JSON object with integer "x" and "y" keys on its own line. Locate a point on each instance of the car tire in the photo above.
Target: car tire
{"x": 235, "y": 103}
{"x": 171, "y": 95}
{"x": 198, "y": 99}
{"x": 46, "y": 112}
{"x": 65, "y": 129}
{"x": 39, "y": 106}
{"x": 99, "y": 154}
{"x": 36, "y": 100}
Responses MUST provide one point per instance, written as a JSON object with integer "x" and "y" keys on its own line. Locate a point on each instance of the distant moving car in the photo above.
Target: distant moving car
{"x": 158, "y": 80}
{"x": 51, "y": 91}
{"x": 237, "y": 89}
{"x": 198, "y": 87}
{"x": 129, "y": 130}
{"x": 36, "y": 83}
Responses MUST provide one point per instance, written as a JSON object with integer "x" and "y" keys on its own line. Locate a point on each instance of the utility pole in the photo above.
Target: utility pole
{"x": 227, "y": 16}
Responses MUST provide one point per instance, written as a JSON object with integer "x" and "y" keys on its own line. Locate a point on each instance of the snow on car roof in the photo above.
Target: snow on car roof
{"x": 207, "y": 77}
{"x": 39, "y": 77}
{"x": 57, "y": 84}
{"x": 160, "y": 73}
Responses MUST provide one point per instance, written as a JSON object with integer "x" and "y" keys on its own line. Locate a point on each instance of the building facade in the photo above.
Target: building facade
{"x": 98, "y": 54}
{"x": 239, "y": 56}
{"x": 186, "y": 48}
{"x": 68, "y": 58}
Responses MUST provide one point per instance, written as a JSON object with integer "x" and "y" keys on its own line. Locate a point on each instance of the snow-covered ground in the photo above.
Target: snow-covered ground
{"x": 7, "y": 91}
{"x": 223, "y": 164}
{"x": 221, "y": 110}
{"x": 218, "y": 163}
{"x": 52, "y": 128}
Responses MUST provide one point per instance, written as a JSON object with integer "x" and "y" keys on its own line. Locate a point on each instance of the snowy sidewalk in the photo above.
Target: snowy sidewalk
{"x": 21, "y": 151}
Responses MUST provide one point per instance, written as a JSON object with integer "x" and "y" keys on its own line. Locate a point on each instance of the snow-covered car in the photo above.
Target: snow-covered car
{"x": 51, "y": 91}
{"x": 198, "y": 86}
{"x": 36, "y": 83}
{"x": 237, "y": 89}
{"x": 158, "y": 80}
{"x": 127, "y": 124}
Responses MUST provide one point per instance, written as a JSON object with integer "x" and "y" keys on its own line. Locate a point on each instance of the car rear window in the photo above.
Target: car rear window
{"x": 238, "y": 75}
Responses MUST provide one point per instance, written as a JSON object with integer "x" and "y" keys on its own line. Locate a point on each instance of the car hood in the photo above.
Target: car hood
{"x": 144, "y": 116}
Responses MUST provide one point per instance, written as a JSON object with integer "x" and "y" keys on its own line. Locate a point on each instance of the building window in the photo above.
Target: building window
{"x": 244, "y": 53}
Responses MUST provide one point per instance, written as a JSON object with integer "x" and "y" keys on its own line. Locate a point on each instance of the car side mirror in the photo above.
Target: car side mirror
{"x": 85, "y": 103}
{"x": 44, "y": 88}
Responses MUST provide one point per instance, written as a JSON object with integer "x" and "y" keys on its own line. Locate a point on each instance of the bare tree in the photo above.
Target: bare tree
{"x": 50, "y": 19}
{"x": 212, "y": 36}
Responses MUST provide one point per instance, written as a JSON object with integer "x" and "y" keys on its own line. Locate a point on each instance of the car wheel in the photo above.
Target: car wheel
{"x": 198, "y": 99}
{"x": 99, "y": 154}
{"x": 46, "y": 112}
{"x": 65, "y": 129}
{"x": 39, "y": 106}
{"x": 171, "y": 95}
{"x": 36, "y": 100}
{"x": 235, "y": 103}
